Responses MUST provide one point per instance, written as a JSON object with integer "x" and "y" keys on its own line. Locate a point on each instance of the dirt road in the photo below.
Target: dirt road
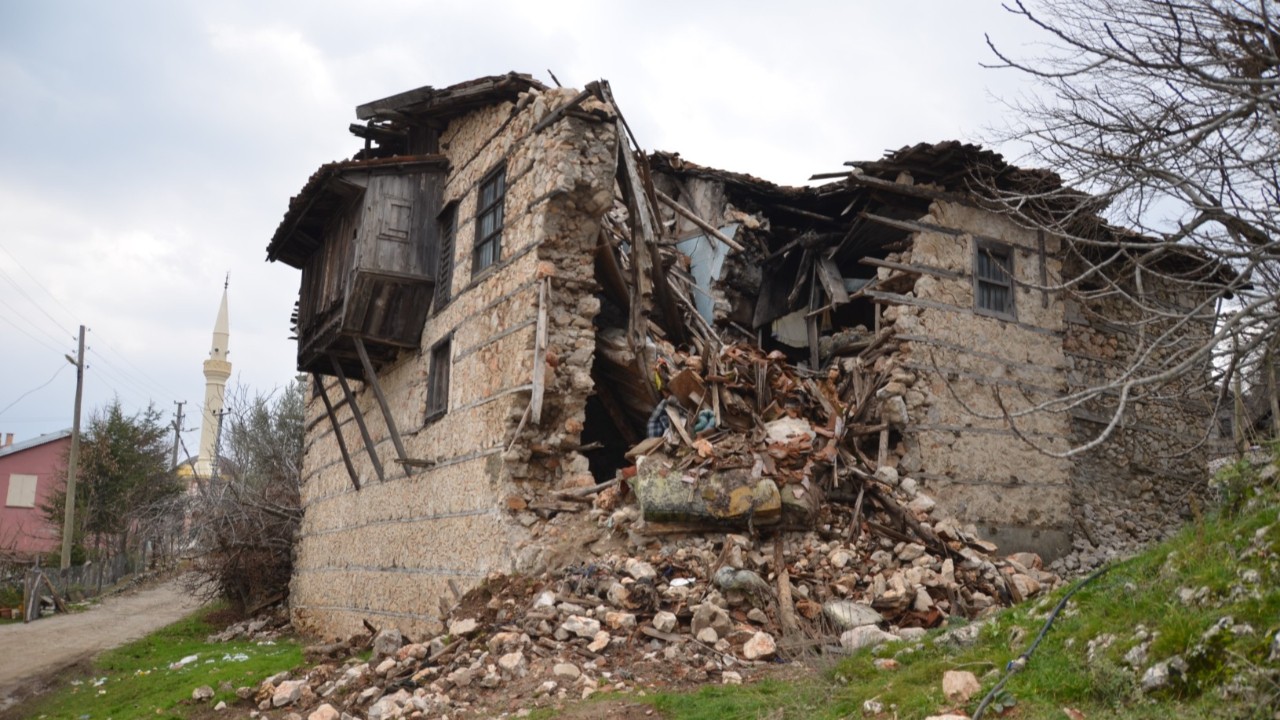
{"x": 35, "y": 650}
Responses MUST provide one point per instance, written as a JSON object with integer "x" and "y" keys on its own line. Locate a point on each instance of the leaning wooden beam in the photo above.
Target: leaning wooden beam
{"x": 539, "y": 357}
{"x": 372, "y": 377}
{"x": 832, "y": 281}
{"x": 337, "y": 430}
{"x": 913, "y": 268}
{"x": 910, "y": 225}
{"x": 909, "y": 190}
{"x": 703, "y": 225}
{"x": 644, "y": 239}
{"x": 359, "y": 418}
{"x": 592, "y": 88}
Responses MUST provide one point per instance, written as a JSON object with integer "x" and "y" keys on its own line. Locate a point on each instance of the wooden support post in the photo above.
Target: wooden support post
{"x": 1044, "y": 270}
{"x": 337, "y": 431}
{"x": 359, "y": 418}
{"x": 372, "y": 378}
{"x": 811, "y": 321}
{"x": 539, "y": 357}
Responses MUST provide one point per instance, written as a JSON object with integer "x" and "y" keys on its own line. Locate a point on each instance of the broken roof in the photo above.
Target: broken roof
{"x": 428, "y": 103}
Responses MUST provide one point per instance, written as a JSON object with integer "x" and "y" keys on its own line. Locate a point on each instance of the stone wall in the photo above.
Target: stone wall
{"x": 1138, "y": 484}
{"x": 957, "y": 368}
{"x": 390, "y": 551}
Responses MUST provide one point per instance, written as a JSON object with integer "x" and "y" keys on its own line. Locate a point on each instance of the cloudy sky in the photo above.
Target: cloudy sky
{"x": 149, "y": 148}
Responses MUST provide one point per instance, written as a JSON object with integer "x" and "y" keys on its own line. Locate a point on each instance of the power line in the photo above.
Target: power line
{"x": 39, "y": 284}
{"x": 46, "y": 384}
{"x": 124, "y": 358}
{"x": 30, "y": 299}
{"x": 14, "y": 312}
{"x": 33, "y": 337}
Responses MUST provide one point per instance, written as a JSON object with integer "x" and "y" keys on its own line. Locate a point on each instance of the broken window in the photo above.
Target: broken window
{"x": 438, "y": 378}
{"x": 488, "y": 248}
{"x": 993, "y": 278}
{"x": 448, "y": 221}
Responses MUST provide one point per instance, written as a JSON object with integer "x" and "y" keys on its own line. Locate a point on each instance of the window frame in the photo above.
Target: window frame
{"x": 496, "y": 207}
{"x": 439, "y": 370}
{"x": 1001, "y": 254}
{"x": 11, "y": 499}
{"x": 446, "y": 250}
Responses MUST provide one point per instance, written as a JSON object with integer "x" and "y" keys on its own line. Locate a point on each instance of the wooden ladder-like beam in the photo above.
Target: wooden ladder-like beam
{"x": 371, "y": 378}
{"x": 355, "y": 413}
{"x": 337, "y": 430}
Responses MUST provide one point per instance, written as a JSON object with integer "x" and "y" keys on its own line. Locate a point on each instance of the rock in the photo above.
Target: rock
{"x": 847, "y": 615}
{"x": 600, "y": 642}
{"x": 545, "y": 599}
{"x": 1023, "y": 586}
{"x": 288, "y": 692}
{"x": 461, "y": 677}
{"x": 620, "y": 620}
{"x": 463, "y": 627}
{"x": 729, "y": 677}
{"x": 839, "y": 558}
{"x": 887, "y": 475}
{"x": 864, "y": 637}
{"x": 664, "y": 621}
{"x": 202, "y": 693}
{"x": 386, "y": 642}
{"x": 566, "y": 670}
{"x": 1161, "y": 674}
{"x": 757, "y": 616}
{"x": 911, "y": 551}
{"x": 639, "y": 569}
{"x": 583, "y": 627}
{"x": 512, "y": 663}
{"x": 872, "y": 707}
{"x": 885, "y": 664}
{"x": 921, "y": 504}
{"x": 727, "y": 578}
{"x": 385, "y": 666}
{"x": 707, "y": 615}
{"x": 220, "y": 706}
{"x": 912, "y": 633}
{"x": 948, "y": 716}
{"x": 958, "y": 686}
{"x": 759, "y": 647}
{"x": 708, "y": 635}
{"x": 618, "y": 595}
{"x": 324, "y": 712}
{"x": 786, "y": 430}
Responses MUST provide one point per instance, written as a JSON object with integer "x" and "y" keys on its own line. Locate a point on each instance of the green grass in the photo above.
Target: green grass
{"x": 1212, "y": 553}
{"x": 134, "y": 681}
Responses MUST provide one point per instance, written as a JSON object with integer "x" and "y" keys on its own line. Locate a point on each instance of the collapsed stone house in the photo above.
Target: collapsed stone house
{"x": 498, "y": 290}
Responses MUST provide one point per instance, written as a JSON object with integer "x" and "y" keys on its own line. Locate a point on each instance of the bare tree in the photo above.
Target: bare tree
{"x": 1164, "y": 117}
{"x": 244, "y": 519}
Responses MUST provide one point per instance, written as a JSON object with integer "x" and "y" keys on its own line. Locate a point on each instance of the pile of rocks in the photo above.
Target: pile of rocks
{"x": 687, "y": 611}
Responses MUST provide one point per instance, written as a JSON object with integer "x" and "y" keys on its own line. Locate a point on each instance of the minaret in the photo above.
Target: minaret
{"x": 216, "y": 372}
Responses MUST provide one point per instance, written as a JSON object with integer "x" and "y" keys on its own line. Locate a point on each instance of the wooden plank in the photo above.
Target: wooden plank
{"x": 913, "y": 268}
{"x": 909, "y": 190}
{"x": 371, "y": 377}
{"x": 832, "y": 281}
{"x": 1044, "y": 270}
{"x": 692, "y": 217}
{"x": 910, "y": 225}
{"x": 811, "y": 321}
{"x": 359, "y": 418}
{"x": 644, "y": 238}
{"x": 337, "y": 430}
{"x": 539, "y": 357}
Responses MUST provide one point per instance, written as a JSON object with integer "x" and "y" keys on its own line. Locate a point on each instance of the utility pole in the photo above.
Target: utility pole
{"x": 177, "y": 433}
{"x": 69, "y": 516}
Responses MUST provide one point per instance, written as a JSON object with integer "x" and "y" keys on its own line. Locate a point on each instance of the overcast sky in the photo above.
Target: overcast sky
{"x": 148, "y": 148}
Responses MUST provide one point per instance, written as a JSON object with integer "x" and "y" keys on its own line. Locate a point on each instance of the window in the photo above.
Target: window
{"x": 438, "y": 379}
{"x": 448, "y": 221}
{"x": 488, "y": 248}
{"x": 22, "y": 491}
{"x": 993, "y": 278}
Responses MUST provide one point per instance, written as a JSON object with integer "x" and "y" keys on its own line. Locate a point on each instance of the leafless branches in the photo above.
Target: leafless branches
{"x": 1167, "y": 113}
{"x": 244, "y": 519}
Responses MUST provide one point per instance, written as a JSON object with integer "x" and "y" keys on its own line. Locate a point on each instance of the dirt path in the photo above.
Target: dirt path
{"x": 35, "y": 650}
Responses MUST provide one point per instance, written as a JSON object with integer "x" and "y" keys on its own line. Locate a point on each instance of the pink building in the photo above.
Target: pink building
{"x": 30, "y": 471}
